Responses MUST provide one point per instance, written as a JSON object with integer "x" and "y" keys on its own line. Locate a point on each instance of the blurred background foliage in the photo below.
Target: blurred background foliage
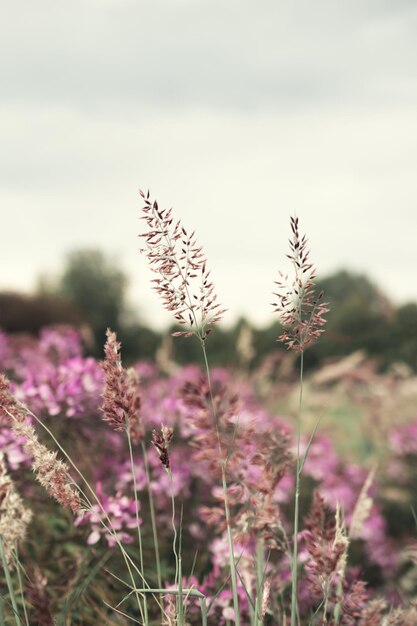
{"x": 91, "y": 293}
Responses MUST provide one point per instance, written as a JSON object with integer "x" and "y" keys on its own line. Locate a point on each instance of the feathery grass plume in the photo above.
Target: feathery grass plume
{"x": 204, "y": 400}
{"x": 327, "y": 545}
{"x": 362, "y": 508}
{"x": 161, "y": 443}
{"x": 354, "y": 602}
{"x": 300, "y": 311}
{"x": 402, "y": 617}
{"x": 170, "y": 614}
{"x": 121, "y": 395}
{"x": 9, "y": 404}
{"x": 53, "y": 474}
{"x": 265, "y": 597}
{"x": 183, "y": 281}
{"x": 14, "y": 516}
{"x": 259, "y": 461}
{"x": 301, "y": 314}
{"x": 372, "y": 614}
{"x": 37, "y": 596}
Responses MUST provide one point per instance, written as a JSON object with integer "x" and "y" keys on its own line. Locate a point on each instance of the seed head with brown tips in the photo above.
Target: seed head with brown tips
{"x": 161, "y": 443}
{"x": 300, "y": 310}
{"x": 183, "y": 280}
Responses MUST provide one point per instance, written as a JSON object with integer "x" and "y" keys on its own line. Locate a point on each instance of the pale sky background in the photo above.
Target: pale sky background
{"x": 238, "y": 113}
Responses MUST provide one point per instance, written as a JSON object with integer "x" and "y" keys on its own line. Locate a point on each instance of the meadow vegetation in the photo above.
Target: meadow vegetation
{"x": 266, "y": 494}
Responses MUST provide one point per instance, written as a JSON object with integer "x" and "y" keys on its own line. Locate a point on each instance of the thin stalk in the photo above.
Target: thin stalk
{"x": 145, "y": 601}
{"x": 95, "y": 498}
{"x": 184, "y": 592}
{"x": 153, "y": 517}
{"x": 174, "y": 592}
{"x": 258, "y": 621}
{"x": 178, "y": 568}
{"x": 9, "y": 583}
{"x": 203, "y": 607}
{"x": 19, "y": 578}
{"x": 296, "y": 502}
{"x": 232, "y": 565}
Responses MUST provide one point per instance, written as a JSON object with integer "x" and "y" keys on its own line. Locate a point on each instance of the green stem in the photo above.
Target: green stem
{"x": 178, "y": 568}
{"x": 296, "y": 503}
{"x": 259, "y": 581}
{"x": 132, "y": 464}
{"x": 19, "y": 578}
{"x": 233, "y": 575}
{"x": 153, "y": 517}
{"x": 95, "y": 498}
{"x": 9, "y": 583}
{"x": 232, "y": 566}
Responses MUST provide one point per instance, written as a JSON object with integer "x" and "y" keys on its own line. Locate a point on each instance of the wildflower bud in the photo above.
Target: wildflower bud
{"x": 161, "y": 443}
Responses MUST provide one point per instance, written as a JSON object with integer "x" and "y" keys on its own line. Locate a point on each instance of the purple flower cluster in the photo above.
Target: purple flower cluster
{"x": 118, "y": 510}
{"x": 53, "y": 378}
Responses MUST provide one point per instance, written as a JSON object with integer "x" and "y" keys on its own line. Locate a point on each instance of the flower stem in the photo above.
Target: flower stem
{"x": 132, "y": 464}
{"x": 178, "y": 565}
{"x": 153, "y": 517}
{"x": 9, "y": 583}
{"x": 232, "y": 565}
{"x": 296, "y": 502}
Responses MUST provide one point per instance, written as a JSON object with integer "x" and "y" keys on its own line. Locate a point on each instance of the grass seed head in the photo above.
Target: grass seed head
{"x": 301, "y": 311}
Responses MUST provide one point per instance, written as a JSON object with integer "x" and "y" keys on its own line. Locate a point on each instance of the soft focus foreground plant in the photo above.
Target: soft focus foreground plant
{"x": 227, "y": 468}
{"x": 375, "y": 509}
{"x": 301, "y": 314}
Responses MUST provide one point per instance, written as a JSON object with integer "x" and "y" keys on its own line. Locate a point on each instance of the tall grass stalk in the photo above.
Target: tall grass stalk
{"x": 19, "y": 568}
{"x": 138, "y": 525}
{"x": 258, "y": 621}
{"x": 9, "y": 583}
{"x": 153, "y": 516}
{"x": 131, "y": 566}
{"x": 296, "y": 501}
{"x": 232, "y": 565}
{"x": 177, "y": 260}
{"x": 178, "y": 560}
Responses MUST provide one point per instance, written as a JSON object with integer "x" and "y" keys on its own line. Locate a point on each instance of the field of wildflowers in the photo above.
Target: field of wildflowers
{"x": 195, "y": 495}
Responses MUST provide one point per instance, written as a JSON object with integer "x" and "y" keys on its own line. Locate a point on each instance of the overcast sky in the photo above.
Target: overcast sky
{"x": 237, "y": 113}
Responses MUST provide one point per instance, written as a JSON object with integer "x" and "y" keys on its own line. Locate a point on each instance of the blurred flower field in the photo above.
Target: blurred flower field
{"x": 360, "y": 470}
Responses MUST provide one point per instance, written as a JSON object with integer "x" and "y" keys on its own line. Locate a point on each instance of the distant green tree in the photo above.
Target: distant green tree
{"x": 360, "y": 317}
{"x": 97, "y": 286}
{"x": 403, "y": 338}
{"x": 29, "y": 313}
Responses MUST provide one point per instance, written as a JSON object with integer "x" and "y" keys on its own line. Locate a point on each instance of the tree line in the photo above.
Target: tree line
{"x": 91, "y": 293}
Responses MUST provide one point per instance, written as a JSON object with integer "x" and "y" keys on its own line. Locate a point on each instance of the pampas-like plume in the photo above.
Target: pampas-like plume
{"x": 327, "y": 545}
{"x": 183, "y": 279}
{"x": 121, "y": 396}
{"x": 362, "y": 509}
{"x": 37, "y": 595}
{"x": 14, "y": 516}
{"x": 52, "y": 473}
{"x": 301, "y": 312}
